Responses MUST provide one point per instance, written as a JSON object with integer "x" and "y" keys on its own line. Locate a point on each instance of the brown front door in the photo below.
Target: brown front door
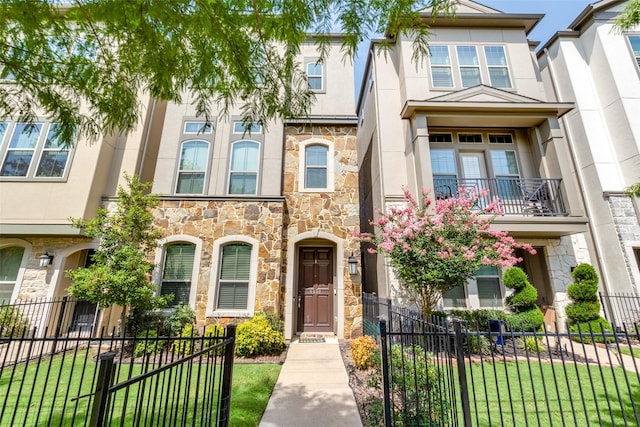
{"x": 315, "y": 290}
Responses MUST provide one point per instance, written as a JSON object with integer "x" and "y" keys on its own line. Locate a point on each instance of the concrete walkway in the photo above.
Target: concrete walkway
{"x": 312, "y": 389}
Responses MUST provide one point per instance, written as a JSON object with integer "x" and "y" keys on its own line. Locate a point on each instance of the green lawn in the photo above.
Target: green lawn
{"x": 31, "y": 390}
{"x": 633, "y": 351}
{"x": 545, "y": 394}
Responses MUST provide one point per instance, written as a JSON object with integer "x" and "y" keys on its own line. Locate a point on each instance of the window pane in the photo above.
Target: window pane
{"x": 500, "y": 139}
{"x": 455, "y": 297}
{"x": 504, "y": 162}
{"x": 467, "y": 55}
{"x": 315, "y": 83}
{"x": 25, "y": 135}
{"x": 316, "y": 155}
{"x": 495, "y": 55}
{"x": 194, "y": 155}
{"x": 489, "y": 292}
{"x": 3, "y": 130}
{"x": 443, "y": 162}
{"x": 441, "y": 77}
{"x": 180, "y": 291}
{"x": 52, "y": 163}
{"x": 499, "y": 77}
{"x": 440, "y": 137}
{"x": 245, "y": 156}
{"x": 470, "y": 138}
{"x": 236, "y": 262}
{"x": 10, "y": 260}
{"x": 242, "y": 183}
{"x": 197, "y": 127}
{"x": 190, "y": 183}
{"x": 178, "y": 263}
{"x": 239, "y": 127}
{"x": 635, "y": 46}
{"x": 439, "y": 55}
{"x": 316, "y": 178}
{"x": 470, "y": 76}
{"x": 53, "y": 141}
{"x": 487, "y": 270}
{"x": 314, "y": 69}
{"x": 16, "y": 163}
{"x": 233, "y": 295}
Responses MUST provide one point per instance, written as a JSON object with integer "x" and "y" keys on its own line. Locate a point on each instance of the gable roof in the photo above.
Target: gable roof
{"x": 484, "y": 105}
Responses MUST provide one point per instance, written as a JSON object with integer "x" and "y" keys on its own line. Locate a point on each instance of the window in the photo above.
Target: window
{"x": 440, "y": 66}
{"x": 10, "y": 260}
{"x": 29, "y": 142}
{"x": 244, "y": 167}
{"x": 455, "y": 297}
{"x": 316, "y": 166}
{"x": 500, "y": 139}
{"x": 193, "y": 165}
{"x": 440, "y": 137}
{"x": 489, "y": 289}
{"x": 233, "y": 288}
{"x": 177, "y": 272}
{"x": 470, "y": 138}
{"x": 315, "y": 76}
{"x": 443, "y": 165}
{"x": 497, "y": 65}
{"x": 505, "y": 169}
{"x": 469, "y": 65}
{"x": 634, "y": 40}
{"x": 197, "y": 128}
{"x": 251, "y": 128}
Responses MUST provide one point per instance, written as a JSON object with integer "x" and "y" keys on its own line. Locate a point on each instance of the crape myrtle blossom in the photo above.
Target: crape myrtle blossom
{"x": 436, "y": 248}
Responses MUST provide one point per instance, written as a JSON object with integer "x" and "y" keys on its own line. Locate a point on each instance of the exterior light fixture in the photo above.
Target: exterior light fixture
{"x": 45, "y": 260}
{"x": 353, "y": 264}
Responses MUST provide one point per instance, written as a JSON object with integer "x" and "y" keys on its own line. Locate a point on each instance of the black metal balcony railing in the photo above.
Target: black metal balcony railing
{"x": 518, "y": 196}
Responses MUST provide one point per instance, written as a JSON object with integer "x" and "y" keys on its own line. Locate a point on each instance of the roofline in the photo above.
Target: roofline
{"x": 518, "y": 20}
{"x": 327, "y": 120}
{"x": 558, "y": 109}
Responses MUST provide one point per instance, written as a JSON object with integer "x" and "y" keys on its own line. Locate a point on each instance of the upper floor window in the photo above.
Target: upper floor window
{"x": 197, "y": 128}
{"x": 634, "y": 40}
{"x": 193, "y": 166}
{"x": 475, "y": 65}
{"x": 316, "y": 166}
{"x": 315, "y": 76}
{"x": 177, "y": 272}
{"x": 497, "y": 65}
{"x": 243, "y": 175}
{"x": 33, "y": 150}
{"x": 10, "y": 261}
{"x": 469, "y": 65}
{"x": 440, "y": 66}
{"x": 235, "y": 269}
{"x": 250, "y": 128}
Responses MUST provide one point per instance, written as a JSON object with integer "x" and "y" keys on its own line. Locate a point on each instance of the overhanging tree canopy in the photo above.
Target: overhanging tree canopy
{"x": 85, "y": 62}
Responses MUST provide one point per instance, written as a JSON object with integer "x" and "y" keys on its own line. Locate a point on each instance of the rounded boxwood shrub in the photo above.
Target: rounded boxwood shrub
{"x": 526, "y": 315}
{"x": 583, "y": 292}
{"x": 584, "y": 311}
{"x": 595, "y": 327}
{"x": 256, "y": 337}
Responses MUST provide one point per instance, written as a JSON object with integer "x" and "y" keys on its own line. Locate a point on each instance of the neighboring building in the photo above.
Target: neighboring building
{"x": 597, "y": 68}
{"x": 473, "y": 113}
{"x": 257, "y": 219}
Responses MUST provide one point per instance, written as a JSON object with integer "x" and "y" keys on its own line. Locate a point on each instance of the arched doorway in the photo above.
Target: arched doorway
{"x": 315, "y": 289}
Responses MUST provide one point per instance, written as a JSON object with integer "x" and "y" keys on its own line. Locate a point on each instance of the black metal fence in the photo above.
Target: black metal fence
{"x": 445, "y": 372}
{"x": 622, "y": 309}
{"x": 106, "y": 379}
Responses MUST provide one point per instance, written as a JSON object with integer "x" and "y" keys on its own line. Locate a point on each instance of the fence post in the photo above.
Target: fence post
{"x": 385, "y": 373}
{"x": 225, "y": 400}
{"x": 101, "y": 395}
{"x": 462, "y": 374}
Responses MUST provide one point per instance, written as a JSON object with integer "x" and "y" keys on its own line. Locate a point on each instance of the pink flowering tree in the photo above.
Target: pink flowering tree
{"x": 436, "y": 249}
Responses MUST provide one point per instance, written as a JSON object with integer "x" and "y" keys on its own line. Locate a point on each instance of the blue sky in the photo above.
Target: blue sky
{"x": 558, "y": 15}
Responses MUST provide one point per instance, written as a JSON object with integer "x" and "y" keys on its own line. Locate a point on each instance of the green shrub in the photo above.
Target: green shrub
{"x": 212, "y": 331}
{"x": 584, "y": 273}
{"x": 362, "y": 350}
{"x": 530, "y": 320}
{"x": 181, "y": 316}
{"x": 583, "y": 292}
{"x": 139, "y": 321}
{"x": 585, "y": 329}
{"x": 522, "y": 298}
{"x": 275, "y": 321}
{"x": 479, "y": 344}
{"x": 531, "y": 344}
{"x": 185, "y": 346}
{"x": 584, "y": 311}
{"x": 12, "y": 322}
{"x": 479, "y": 319}
{"x": 146, "y": 346}
{"x": 256, "y": 337}
{"x": 515, "y": 278}
{"x": 192, "y": 341}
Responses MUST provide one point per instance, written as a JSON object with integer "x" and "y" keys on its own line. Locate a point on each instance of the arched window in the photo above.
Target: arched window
{"x": 177, "y": 272}
{"x": 10, "y": 261}
{"x": 316, "y": 166}
{"x": 193, "y": 167}
{"x": 233, "y": 284}
{"x": 244, "y": 167}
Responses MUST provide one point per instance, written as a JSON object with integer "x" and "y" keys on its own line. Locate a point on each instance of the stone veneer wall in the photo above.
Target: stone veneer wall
{"x": 335, "y": 213}
{"x": 209, "y": 220}
{"x": 625, "y": 218}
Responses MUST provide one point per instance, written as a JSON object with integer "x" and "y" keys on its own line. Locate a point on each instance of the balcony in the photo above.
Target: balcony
{"x": 518, "y": 196}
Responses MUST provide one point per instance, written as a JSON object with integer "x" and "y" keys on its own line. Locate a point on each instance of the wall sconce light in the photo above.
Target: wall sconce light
{"x": 45, "y": 260}
{"x": 353, "y": 264}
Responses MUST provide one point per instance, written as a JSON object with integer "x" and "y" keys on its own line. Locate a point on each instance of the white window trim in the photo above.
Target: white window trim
{"x": 460, "y": 66}
{"x": 38, "y": 151}
{"x": 302, "y": 166}
{"x": 323, "y": 85}
{"x": 218, "y": 244}
{"x": 159, "y": 263}
{"x": 206, "y": 169}
{"x": 244, "y": 131}
{"x": 23, "y": 264}
{"x": 258, "y": 169}
{"x": 450, "y": 67}
{"x": 472, "y": 297}
{"x": 209, "y": 131}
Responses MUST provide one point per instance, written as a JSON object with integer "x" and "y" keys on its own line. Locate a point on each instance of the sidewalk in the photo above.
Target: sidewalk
{"x": 312, "y": 389}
